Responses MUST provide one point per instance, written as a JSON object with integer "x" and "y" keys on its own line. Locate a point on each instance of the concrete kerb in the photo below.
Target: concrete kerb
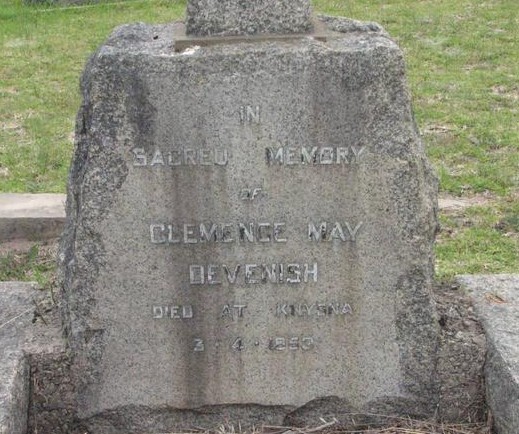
{"x": 14, "y": 393}
{"x": 33, "y": 217}
{"x": 21, "y": 337}
{"x": 496, "y": 301}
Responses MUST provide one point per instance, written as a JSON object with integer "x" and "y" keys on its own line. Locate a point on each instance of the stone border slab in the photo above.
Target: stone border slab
{"x": 14, "y": 393}
{"x": 31, "y": 216}
{"x": 16, "y": 299}
{"x": 21, "y": 336}
{"x": 496, "y": 300}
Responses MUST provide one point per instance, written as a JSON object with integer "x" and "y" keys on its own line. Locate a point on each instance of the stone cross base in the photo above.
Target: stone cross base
{"x": 248, "y": 17}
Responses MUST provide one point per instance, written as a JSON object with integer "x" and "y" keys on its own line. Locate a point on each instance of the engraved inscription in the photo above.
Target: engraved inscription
{"x": 238, "y": 344}
{"x": 245, "y": 271}
{"x": 312, "y": 309}
{"x": 225, "y": 233}
{"x": 294, "y": 343}
{"x": 198, "y": 345}
{"x": 173, "y": 312}
{"x": 180, "y": 157}
{"x": 250, "y": 193}
{"x": 194, "y": 233}
{"x": 250, "y": 114}
{"x": 316, "y": 155}
{"x": 325, "y": 231}
{"x": 248, "y": 274}
{"x": 233, "y": 311}
{"x": 275, "y": 344}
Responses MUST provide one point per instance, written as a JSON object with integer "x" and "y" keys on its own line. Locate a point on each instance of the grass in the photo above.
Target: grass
{"x": 37, "y": 264}
{"x": 484, "y": 239}
{"x": 44, "y": 50}
{"x": 463, "y": 64}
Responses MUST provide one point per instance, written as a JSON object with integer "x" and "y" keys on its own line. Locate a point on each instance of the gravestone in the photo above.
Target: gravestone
{"x": 250, "y": 227}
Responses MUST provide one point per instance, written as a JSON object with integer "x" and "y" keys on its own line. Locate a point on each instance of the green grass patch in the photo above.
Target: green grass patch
{"x": 482, "y": 239}
{"x": 38, "y": 264}
{"x": 463, "y": 64}
{"x": 44, "y": 49}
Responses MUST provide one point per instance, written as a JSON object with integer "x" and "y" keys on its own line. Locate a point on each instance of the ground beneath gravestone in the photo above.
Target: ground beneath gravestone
{"x": 397, "y": 426}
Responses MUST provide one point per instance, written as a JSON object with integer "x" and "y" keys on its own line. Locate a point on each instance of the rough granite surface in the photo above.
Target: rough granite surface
{"x": 496, "y": 300}
{"x": 21, "y": 334}
{"x": 16, "y": 300}
{"x": 194, "y": 173}
{"x": 232, "y": 18}
{"x": 461, "y": 357}
{"x": 14, "y": 392}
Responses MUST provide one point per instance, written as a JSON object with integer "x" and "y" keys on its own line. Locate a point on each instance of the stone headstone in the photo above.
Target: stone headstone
{"x": 250, "y": 232}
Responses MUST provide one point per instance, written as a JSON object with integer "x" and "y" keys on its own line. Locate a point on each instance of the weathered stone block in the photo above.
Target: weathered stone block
{"x": 231, "y": 17}
{"x": 14, "y": 392}
{"x": 496, "y": 299}
{"x": 29, "y": 332}
{"x": 16, "y": 333}
{"x": 250, "y": 229}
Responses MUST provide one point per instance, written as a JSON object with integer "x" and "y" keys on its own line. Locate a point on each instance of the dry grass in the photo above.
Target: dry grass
{"x": 394, "y": 426}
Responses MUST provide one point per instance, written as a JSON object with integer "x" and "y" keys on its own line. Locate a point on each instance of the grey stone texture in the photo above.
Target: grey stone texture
{"x": 232, "y": 18}
{"x": 219, "y": 162}
{"x": 496, "y": 300}
{"x": 31, "y": 216}
{"x": 22, "y": 334}
{"x": 36, "y": 392}
{"x": 461, "y": 357}
{"x": 14, "y": 393}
